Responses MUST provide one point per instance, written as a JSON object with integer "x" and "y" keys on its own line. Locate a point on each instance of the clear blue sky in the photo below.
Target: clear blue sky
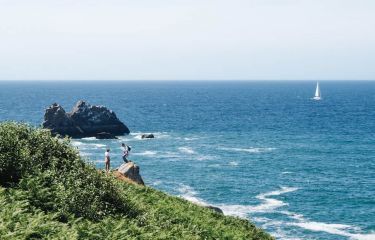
{"x": 187, "y": 39}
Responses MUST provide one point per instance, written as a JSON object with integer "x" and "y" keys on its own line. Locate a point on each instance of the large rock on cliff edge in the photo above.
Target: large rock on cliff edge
{"x": 131, "y": 171}
{"x": 84, "y": 120}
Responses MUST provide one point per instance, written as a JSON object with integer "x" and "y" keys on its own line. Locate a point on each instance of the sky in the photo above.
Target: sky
{"x": 187, "y": 40}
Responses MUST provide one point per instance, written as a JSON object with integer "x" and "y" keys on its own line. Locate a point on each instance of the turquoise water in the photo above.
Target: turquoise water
{"x": 301, "y": 169}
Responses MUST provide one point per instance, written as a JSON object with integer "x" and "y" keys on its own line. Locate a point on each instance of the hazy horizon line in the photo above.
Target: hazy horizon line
{"x": 183, "y": 80}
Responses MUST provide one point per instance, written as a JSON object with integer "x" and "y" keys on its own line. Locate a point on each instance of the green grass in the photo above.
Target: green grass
{"x": 48, "y": 192}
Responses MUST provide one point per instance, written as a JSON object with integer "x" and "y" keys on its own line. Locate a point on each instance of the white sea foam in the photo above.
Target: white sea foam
{"x": 90, "y": 139}
{"x": 145, "y": 153}
{"x": 97, "y": 145}
{"x": 267, "y": 204}
{"x": 156, "y": 183}
{"x": 233, "y": 163}
{"x": 248, "y": 150}
{"x": 85, "y": 154}
{"x": 168, "y": 155}
{"x": 270, "y": 205}
{"x": 191, "y": 138}
{"x": 261, "y": 219}
{"x": 205, "y": 157}
{"x": 283, "y": 173}
{"x": 77, "y": 143}
{"x": 190, "y": 194}
{"x": 277, "y": 192}
{"x": 187, "y": 150}
{"x": 84, "y": 145}
{"x": 331, "y": 228}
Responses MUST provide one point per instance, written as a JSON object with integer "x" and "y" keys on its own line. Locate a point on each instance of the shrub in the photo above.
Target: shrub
{"x": 54, "y": 174}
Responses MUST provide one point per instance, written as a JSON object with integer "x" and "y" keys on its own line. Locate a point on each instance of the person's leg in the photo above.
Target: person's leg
{"x": 124, "y": 158}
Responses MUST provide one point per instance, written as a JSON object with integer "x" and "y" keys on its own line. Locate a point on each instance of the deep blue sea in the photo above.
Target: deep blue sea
{"x": 300, "y": 169}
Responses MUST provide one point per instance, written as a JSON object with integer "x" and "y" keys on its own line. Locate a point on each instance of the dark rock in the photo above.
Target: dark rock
{"x": 57, "y": 120}
{"x": 105, "y": 135}
{"x": 216, "y": 209}
{"x": 147, "y": 136}
{"x": 131, "y": 171}
{"x": 84, "y": 121}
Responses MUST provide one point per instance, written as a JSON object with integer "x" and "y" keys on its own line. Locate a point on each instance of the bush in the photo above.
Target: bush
{"x": 55, "y": 175}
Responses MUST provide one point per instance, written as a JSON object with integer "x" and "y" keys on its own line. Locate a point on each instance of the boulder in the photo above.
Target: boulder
{"x": 105, "y": 135}
{"x": 147, "y": 136}
{"x": 216, "y": 209}
{"x": 84, "y": 120}
{"x": 131, "y": 171}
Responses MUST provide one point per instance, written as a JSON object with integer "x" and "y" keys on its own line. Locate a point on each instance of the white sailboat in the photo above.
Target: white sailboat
{"x": 317, "y": 93}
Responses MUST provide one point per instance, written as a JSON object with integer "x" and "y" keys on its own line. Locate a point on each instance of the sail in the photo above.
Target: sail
{"x": 317, "y": 91}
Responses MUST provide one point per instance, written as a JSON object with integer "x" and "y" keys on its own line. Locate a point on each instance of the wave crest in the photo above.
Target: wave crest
{"x": 248, "y": 150}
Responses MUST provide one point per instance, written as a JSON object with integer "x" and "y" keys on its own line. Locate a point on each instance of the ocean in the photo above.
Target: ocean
{"x": 261, "y": 150}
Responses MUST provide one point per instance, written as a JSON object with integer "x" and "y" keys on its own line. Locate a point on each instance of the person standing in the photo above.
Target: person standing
{"x": 125, "y": 152}
{"x": 107, "y": 159}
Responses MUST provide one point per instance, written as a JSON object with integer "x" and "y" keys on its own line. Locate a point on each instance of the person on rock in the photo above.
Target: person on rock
{"x": 107, "y": 160}
{"x": 125, "y": 152}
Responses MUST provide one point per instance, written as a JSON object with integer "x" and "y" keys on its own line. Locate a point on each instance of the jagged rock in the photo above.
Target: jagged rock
{"x": 84, "y": 120}
{"x": 57, "y": 120}
{"x": 105, "y": 135}
{"x": 131, "y": 171}
{"x": 147, "y": 136}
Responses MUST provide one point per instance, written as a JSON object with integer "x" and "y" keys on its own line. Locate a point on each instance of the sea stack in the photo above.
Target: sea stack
{"x": 84, "y": 120}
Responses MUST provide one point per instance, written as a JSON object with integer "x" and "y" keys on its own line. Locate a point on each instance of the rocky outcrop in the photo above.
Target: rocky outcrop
{"x": 147, "y": 136}
{"x": 131, "y": 171}
{"x": 84, "y": 120}
{"x": 216, "y": 209}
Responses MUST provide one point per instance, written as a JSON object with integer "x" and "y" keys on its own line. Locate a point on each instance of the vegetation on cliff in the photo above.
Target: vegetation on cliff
{"x": 48, "y": 192}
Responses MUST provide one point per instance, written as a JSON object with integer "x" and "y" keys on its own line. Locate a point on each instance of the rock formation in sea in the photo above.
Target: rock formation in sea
{"x": 84, "y": 120}
{"x": 147, "y": 136}
{"x": 131, "y": 171}
{"x": 105, "y": 135}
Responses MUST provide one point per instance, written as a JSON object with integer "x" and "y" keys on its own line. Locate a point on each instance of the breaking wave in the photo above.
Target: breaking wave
{"x": 331, "y": 228}
{"x": 190, "y": 194}
{"x": 248, "y": 150}
{"x": 84, "y": 145}
{"x": 90, "y": 139}
{"x": 267, "y": 204}
{"x": 187, "y": 150}
{"x": 145, "y": 153}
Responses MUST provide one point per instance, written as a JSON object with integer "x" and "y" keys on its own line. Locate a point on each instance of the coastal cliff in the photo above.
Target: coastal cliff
{"x": 48, "y": 191}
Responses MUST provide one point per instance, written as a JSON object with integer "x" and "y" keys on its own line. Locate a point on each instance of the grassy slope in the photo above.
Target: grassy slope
{"x": 47, "y": 191}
